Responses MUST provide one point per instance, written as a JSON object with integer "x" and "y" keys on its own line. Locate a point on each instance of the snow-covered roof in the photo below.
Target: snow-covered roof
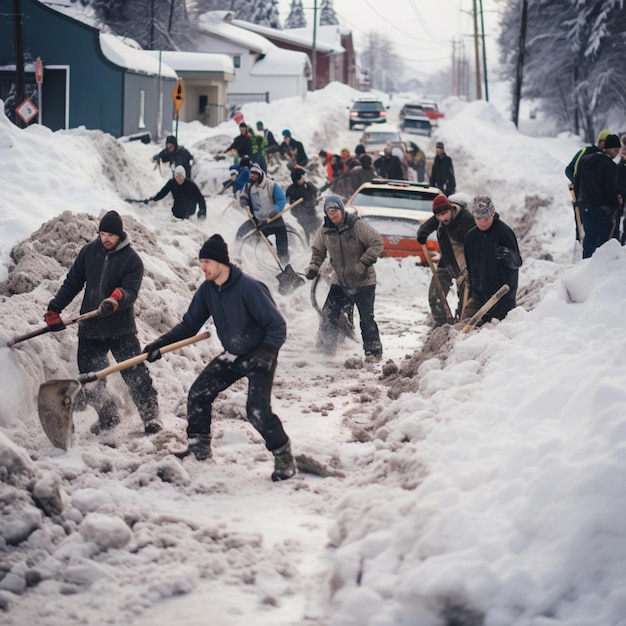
{"x": 281, "y": 62}
{"x": 126, "y": 56}
{"x": 327, "y": 38}
{"x": 195, "y": 61}
{"x": 212, "y": 23}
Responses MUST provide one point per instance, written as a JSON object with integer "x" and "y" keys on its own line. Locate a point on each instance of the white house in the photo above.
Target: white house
{"x": 263, "y": 71}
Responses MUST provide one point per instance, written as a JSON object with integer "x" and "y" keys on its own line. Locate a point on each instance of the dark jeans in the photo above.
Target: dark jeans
{"x": 438, "y": 311}
{"x": 597, "y": 224}
{"x": 276, "y": 228}
{"x": 93, "y": 356}
{"x": 220, "y": 374}
{"x": 338, "y": 297}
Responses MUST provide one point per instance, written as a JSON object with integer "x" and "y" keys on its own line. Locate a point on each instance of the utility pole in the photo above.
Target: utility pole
{"x": 482, "y": 31}
{"x": 20, "y": 82}
{"x": 477, "y": 53}
{"x": 517, "y": 93}
{"x": 314, "y": 47}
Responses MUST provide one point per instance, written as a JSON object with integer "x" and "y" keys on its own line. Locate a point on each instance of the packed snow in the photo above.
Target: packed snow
{"x": 465, "y": 479}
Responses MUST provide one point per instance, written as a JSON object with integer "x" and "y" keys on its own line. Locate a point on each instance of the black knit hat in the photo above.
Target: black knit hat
{"x": 215, "y": 248}
{"x": 612, "y": 141}
{"x": 111, "y": 223}
{"x": 296, "y": 174}
{"x": 171, "y": 139}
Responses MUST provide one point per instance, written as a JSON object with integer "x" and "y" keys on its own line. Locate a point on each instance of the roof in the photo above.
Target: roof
{"x": 131, "y": 58}
{"x": 195, "y": 61}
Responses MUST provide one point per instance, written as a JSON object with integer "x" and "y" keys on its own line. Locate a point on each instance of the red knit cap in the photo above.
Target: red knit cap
{"x": 440, "y": 204}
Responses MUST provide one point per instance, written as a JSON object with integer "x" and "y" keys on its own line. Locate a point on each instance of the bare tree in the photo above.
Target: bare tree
{"x": 385, "y": 68}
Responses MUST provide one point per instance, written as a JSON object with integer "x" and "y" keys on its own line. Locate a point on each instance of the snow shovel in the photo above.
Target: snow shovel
{"x": 56, "y": 397}
{"x": 287, "y": 208}
{"x": 485, "y": 308}
{"x": 438, "y": 286}
{"x": 47, "y": 329}
{"x": 288, "y": 279}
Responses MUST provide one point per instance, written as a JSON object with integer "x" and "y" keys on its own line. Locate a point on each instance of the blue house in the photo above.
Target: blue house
{"x": 90, "y": 79}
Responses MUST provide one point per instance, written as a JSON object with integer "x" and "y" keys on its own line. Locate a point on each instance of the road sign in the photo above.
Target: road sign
{"x": 39, "y": 70}
{"x": 178, "y": 95}
{"x": 27, "y": 110}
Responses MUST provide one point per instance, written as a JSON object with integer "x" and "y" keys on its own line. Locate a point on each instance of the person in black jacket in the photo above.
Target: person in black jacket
{"x": 442, "y": 172}
{"x": 186, "y": 196}
{"x": 306, "y": 211}
{"x": 388, "y": 165}
{"x": 452, "y": 221}
{"x": 597, "y": 195}
{"x": 252, "y": 331}
{"x": 242, "y": 144}
{"x": 493, "y": 259}
{"x": 293, "y": 150}
{"x": 175, "y": 155}
{"x": 111, "y": 272}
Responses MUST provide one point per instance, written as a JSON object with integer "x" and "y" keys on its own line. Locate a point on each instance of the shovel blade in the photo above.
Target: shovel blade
{"x": 55, "y": 403}
{"x": 289, "y": 281}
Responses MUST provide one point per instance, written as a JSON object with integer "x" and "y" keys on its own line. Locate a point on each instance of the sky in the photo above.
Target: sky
{"x": 466, "y": 478}
{"x": 422, "y": 32}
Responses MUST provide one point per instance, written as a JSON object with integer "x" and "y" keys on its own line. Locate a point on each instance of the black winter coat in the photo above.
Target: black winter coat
{"x": 100, "y": 272}
{"x": 243, "y": 145}
{"x": 597, "y": 175}
{"x": 487, "y": 273}
{"x": 186, "y": 197}
{"x": 180, "y": 156}
{"x": 442, "y": 175}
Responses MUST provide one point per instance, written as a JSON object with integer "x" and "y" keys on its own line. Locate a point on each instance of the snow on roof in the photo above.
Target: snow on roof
{"x": 212, "y": 23}
{"x": 327, "y": 38}
{"x": 126, "y": 56}
{"x": 281, "y": 62}
{"x": 195, "y": 61}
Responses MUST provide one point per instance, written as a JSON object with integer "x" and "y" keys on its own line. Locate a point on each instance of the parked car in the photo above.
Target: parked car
{"x": 396, "y": 209}
{"x": 367, "y": 111}
{"x": 411, "y": 108}
{"x": 416, "y": 125}
{"x": 375, "y": 138}
{"x": 431, "y": 111}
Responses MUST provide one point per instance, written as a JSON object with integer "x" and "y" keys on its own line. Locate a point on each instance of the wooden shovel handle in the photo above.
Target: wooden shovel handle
{"x": 287, "y": 208}
{"x": 438, "y": 285}
{"x": 485, "y": 308}
{"x": 140, "y": 358}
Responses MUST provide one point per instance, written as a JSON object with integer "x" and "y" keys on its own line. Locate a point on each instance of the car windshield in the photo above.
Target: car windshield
{"x": 367, "y": 106}
{"x": 381, "y": 137}
{"x": 413, "y": 123}
{"x": 393, "y": 199}
{"x": 412, "y": 109}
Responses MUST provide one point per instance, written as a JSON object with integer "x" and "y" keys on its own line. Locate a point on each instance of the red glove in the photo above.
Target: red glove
{"x": 53, "y": 321}
{"x": 111, "y": 304}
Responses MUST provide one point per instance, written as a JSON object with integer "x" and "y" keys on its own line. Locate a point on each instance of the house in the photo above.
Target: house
{"x": 90, "y": 79}
{"x": 334, "y": 50}
{"x": 205, "y": 80}
{"x": 263, "y": 71}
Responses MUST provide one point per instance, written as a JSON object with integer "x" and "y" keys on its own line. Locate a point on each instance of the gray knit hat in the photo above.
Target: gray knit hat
{"x": 482, "y": 207}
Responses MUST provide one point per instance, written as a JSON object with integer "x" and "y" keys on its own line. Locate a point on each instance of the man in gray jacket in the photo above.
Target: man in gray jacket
{"x": 353, "y": 247}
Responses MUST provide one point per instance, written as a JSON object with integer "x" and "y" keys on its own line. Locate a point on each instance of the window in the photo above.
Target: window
{"x": 142, "y": 109}
{"x": 237, "y": 61}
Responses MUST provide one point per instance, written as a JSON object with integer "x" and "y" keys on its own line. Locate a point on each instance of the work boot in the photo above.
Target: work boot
{"x": 199, "y": 446}
{"x": 284, "y": 463}
{"x": 152, "y": 427}
{"x": 107, "y": 418}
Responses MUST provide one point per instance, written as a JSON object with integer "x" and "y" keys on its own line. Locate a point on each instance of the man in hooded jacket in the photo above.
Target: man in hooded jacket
{"x": 186, "y": 196}
{"x": 175, "y": 155}
{"x": 353, "y": 247}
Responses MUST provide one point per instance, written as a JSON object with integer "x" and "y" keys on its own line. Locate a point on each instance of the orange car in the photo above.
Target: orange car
{"x": 396, "y": 209}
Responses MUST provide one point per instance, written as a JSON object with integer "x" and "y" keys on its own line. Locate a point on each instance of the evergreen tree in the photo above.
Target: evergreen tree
{"x": 296, "y": 18}
{"x": 328, "y": 17}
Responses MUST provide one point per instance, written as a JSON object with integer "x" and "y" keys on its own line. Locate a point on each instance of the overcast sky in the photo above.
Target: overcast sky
{"x": 422, "y": 32}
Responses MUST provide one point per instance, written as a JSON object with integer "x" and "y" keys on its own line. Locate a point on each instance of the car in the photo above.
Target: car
{"x": 411, "y": 108}
{"x": 416, "y": 125}
{"x": 375, "y": 138}
{"x": 431, "y": 111}
{"x": 396, "y": 209}
{"x": 367, "y": 111}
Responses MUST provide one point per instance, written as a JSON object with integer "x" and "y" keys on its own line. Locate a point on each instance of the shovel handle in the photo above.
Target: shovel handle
{"x": 140, "y": 358}
{"x": 287, "y": 208}
{"x": 437, "y": 282}
{"x": 47, "y": 329}
{"x": 485, "y": 308}
{"x": 263, "y": 236}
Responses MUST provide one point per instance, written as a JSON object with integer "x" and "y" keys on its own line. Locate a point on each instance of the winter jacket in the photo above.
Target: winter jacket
{"x": 242, "y": 144}
{"x": 308, "y": 193}
{"x": 180, "y": 156}
{"x": 353, "y": 248}
{"x": 101, "y": 272}
{"x": 186, "y": 197}
{"x": 571, "y": 171}
{"x": 487, "y": 273}
{"x": 244, "y": 313}
{"x": 597, "y": 176}
{"x": 451, "y": 239}
{"x": 360, "y": 175}
{"x": 266, "y": 198}
{"x": 389, "y": 167}
{"x": 300, "y": 155}
{"x": 442, "y": 175}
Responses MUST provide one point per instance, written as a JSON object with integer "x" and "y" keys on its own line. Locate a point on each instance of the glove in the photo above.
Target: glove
{"x": 53, "y": 321}
{"x": 154, "y": 350}
{"x": 263, "y": 358}
{"x": 311, "y": 272}
{"x": 111, "y": 304}
{"x": 155, "y": 158}
{"x": 146, "y": 200}
{"x": 510, "y": 258}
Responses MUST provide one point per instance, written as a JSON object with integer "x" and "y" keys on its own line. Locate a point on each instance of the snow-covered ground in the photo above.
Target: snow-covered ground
{"x": 465, "y": 479}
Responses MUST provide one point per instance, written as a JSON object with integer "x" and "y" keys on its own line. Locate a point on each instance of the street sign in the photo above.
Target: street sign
{"x": 39, "y": 70}
{"x": 27, "y": 110}
{"x": 178, "y": 95}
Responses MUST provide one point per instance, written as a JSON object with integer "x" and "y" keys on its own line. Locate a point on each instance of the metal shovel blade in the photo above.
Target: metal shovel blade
{"x": 55, "y": 402}
{"x": 289, "y": 280}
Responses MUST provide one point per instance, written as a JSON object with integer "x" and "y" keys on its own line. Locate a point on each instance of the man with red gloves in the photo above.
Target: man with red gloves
{"x": 111, "y": 272}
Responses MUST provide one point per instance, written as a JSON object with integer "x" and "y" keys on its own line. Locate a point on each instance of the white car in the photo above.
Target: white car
{"x": 375, "y": 138}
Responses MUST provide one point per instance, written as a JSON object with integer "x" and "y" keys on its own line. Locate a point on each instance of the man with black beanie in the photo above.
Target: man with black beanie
{"x": 111, "y": 272}
{"x": 306, "y": 211}
{"x": 175, "y": 155}
{"x": 252, "y": 331}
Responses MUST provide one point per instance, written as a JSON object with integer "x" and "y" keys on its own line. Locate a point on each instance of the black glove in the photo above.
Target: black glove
{"x": 154, "y": 350}
{"x": 311, "y": 273}
{"x": 263, "y": 358}
{"x": 510, "y": 258}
